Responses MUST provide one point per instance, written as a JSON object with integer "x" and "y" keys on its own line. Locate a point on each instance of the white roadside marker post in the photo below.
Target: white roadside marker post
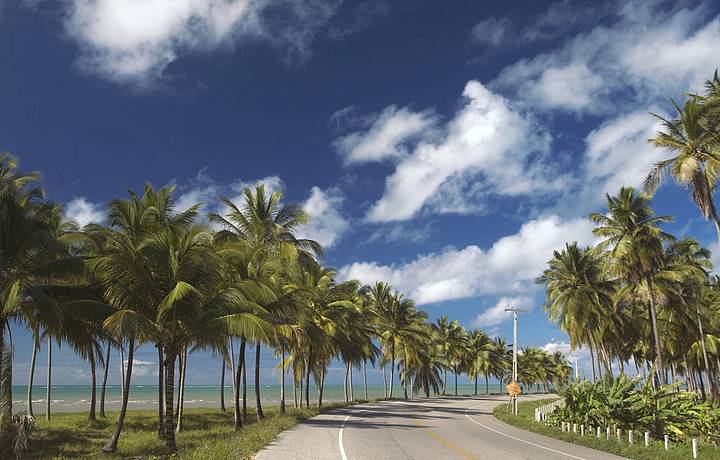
{"x": 607, "y": 432}
{"x": 582, "y": 430}
{"x": 574, "y": 427}
{"x": 618, "y": 433}
{"x": 667, "y": 442}
{"x": 630, "y": 437}
{"x": 598, "y": 432}
{"x": 647, "y": 439}
{"x": 695, "y": 448}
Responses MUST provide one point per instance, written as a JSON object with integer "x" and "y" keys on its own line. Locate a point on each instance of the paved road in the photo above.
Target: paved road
{"x": 421, "y": 429}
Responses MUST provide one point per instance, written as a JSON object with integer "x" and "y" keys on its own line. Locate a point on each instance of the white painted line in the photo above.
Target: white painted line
{"x": 513, "y": 437}
{"x": 343, "y": 455}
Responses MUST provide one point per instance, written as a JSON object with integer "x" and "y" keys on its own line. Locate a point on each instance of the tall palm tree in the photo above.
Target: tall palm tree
{"x": 478, "y": 357}
{"x": 632, "y": 233}
{"x": 696, "y": 164}
{"x": 441, "y": 329}
{"x": 25, "y": 243}
{"x": 579, "y": 295}
{"x": 270, "y": 228}
{"x": 399, "y": 322}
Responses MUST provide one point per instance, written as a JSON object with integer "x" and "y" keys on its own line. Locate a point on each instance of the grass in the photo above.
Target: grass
{"x": 206, "y": 434}
{"x": 656, "y": 451}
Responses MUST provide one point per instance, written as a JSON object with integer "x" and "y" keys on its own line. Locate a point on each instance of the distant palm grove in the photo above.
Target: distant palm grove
{"x": 241, "y": 279}
{"x": 641, "y": 296}
{"x": 237, "y": 280}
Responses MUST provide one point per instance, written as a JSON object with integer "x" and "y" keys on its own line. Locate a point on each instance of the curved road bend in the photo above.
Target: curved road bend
{"x": 421, "y": 429}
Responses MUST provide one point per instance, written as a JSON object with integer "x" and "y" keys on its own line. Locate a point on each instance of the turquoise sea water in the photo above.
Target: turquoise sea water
{"x": 76, "y": 398}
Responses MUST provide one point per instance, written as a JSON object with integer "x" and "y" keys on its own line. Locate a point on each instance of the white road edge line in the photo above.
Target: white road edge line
{"x": 343, "y": 455}
{"x": 512, "y": 437}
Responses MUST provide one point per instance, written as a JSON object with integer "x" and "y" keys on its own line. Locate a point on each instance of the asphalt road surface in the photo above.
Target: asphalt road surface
{"x": 421, "y": 429}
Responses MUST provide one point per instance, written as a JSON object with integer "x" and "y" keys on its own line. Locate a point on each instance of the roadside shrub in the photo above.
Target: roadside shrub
{"x": 622, "y": 404}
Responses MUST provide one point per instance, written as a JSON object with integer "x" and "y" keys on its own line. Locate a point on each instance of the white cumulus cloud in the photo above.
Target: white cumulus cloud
{"x": 135, "y": 40}
{"x": 327, "y": 225}
{"x": 498, "y": 313}
{"x": 386, "y": 136}
{"x": 486, "y": 146}
{"x": 83, "y": 211}
{"x": 510, "y": 265}
{"x": 646, "y": 53}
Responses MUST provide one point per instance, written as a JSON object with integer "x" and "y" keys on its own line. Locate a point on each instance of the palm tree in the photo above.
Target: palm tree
{"x": 269, "y": 228}
{"x": 121, "y": 269}
{"x": 696, "y": 163}
{"x": 478, "y": 357}
{"x": 579, "y": 296}
{"x": 398, "y": 323}
{"x": 25, "y": 243}
{"x": 632, "y": 233}
{"x": 441, "y": 329}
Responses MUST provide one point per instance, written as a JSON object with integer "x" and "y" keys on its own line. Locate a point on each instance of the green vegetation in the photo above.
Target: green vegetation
{"x": 656, "y": 410}
{"x": 656, "y": 451}
{"x": 159, "y": 276}
{"x": 207, "y": 434}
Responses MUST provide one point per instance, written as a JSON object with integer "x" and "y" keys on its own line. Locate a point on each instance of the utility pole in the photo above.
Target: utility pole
{"x": 515, "y": 311}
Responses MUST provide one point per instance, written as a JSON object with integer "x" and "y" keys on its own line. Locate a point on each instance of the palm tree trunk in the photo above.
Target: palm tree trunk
{"x": 716, "y": 219}
{"x": 405, "y": 383}
{"x": 282, "y": 379}
{"x": 367, "y": 398}
{"x": 6, "y": 366}
{"x": 243, "y": 366}
{"x": 122, "y": 369}
{"x": 236, "y": 394}
{"x": 161, "y": 396}
{"x": 592, "y": 361}
{"x": 352, "y": 392}
{"x": 48, "y": 388}
{"x": 392, "y": 368}
{"x": 607, "y": 362}
{"x": 104, "y": 384}
{"x": 179, "y": 383}
{"x": 222, "y": 385}
{"x": 656, "y": 334}
{"x": 36, "y": 346}
{"x": 487, "y": 384}
{"x": 111, "y": 446}
{"x": 701, "y": 382}
{"x": 444, "y": 381}
{"x": 345, "y": 387}
{"x": 713, "y": 385}
{"x": 300, "y": 388}
{"x": 476, "y": 379}
{"x": 307, "y": 378}
{"x": 455, "y": 372}
{"x": 170, "y": 446}
{"x": 258, "y": 402}
{"x": 181, "y": 397}
{"x": 7, "y": 412}
{"x": 295, "y": 401}
{"x": 93, "y": 386}
{"x": 385, "y": 381}
{"x": 321, "y": 387}
{"x": 232, "y": 367}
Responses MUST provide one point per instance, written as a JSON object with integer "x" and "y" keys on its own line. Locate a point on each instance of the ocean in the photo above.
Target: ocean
{"x": 76, "y": 398}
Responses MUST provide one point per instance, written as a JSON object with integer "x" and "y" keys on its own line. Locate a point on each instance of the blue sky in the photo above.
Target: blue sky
{"x": 445, "y": 147}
